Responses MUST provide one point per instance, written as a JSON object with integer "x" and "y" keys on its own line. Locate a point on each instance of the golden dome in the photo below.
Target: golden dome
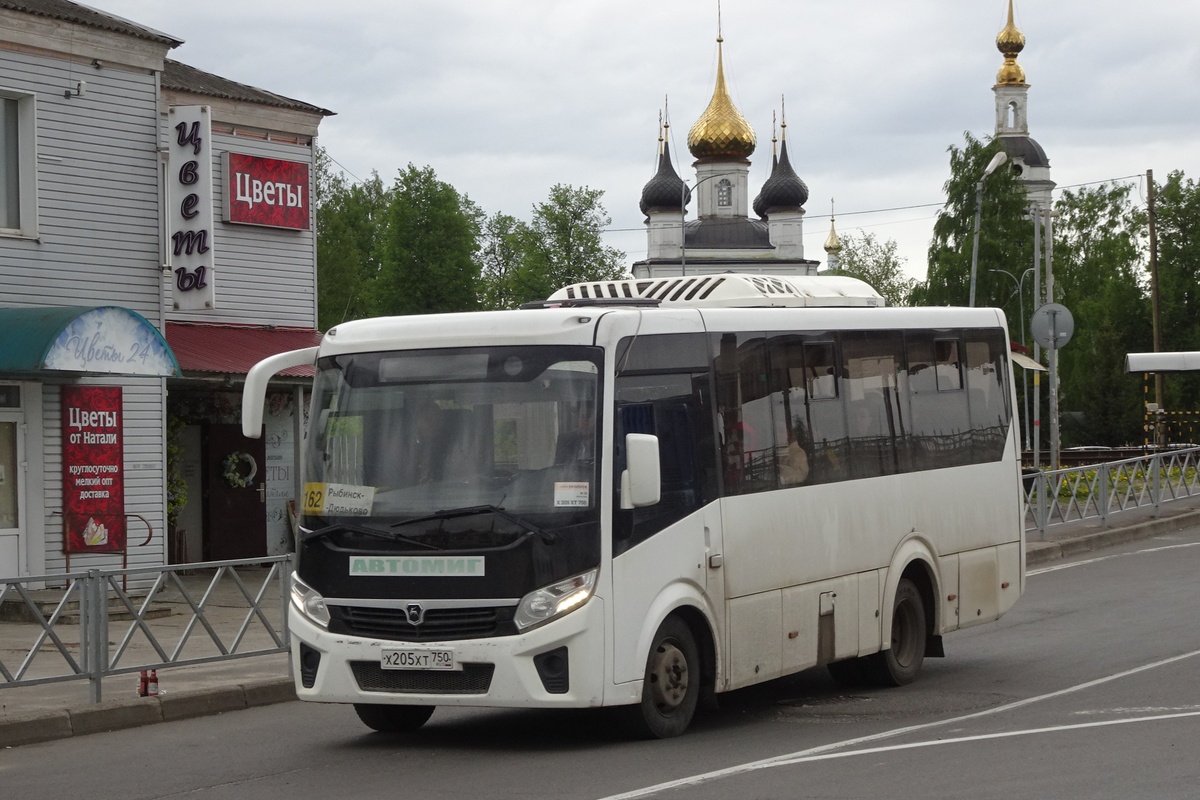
{"x": 721, "y": 131}
{"x": 1010, "y": 42}
{"x": 832, "y": 243}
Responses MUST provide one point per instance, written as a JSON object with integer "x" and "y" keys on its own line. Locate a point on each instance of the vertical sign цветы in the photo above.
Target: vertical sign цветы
{"x": 190, "y": 207}
{"x": 266, "y": 191}
{"x": 93, "y": 470}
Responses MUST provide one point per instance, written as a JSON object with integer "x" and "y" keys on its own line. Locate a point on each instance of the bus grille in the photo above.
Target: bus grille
{"x": 472, "y": 679}
{"x": 440, "y": 624}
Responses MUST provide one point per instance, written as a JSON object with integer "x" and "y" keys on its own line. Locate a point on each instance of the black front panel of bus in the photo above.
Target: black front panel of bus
{"x": 509, "y": 572}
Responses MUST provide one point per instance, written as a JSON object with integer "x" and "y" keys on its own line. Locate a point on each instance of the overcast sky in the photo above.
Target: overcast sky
{"x": 504, "y": 98}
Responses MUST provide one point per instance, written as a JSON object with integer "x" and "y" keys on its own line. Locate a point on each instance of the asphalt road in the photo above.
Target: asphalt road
{"x": 1089, "y": 688}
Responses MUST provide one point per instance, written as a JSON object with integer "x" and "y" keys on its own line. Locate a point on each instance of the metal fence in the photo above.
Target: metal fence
{"x": 91, "y": 627}
{"x": 1100, "y": 491}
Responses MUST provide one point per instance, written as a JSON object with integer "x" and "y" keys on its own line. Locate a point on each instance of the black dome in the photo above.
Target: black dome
{"x": 666, "y": 191}
{"x": 783, "y": 191}
{"x": 1026, "y": 149}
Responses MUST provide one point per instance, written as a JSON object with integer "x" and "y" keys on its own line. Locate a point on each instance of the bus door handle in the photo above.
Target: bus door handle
{"x": 715, "y": 561}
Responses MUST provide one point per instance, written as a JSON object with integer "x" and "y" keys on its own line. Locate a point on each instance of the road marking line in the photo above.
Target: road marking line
{"x": 985, "y": 736}
{"x": 823, "y": 750}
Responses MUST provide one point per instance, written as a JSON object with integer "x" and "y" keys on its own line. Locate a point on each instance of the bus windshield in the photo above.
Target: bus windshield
{"x": 404, "y": 436}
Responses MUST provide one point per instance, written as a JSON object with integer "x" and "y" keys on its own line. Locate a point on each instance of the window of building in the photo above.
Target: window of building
{"x": 18, "y": 165}
{"x": 724, "y": 193}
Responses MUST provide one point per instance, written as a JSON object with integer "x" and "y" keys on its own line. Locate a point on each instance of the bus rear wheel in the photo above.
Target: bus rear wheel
{"x": 671, "y": 687}
{"x": 899, "y": 665}
{"x": 393, "y": 719}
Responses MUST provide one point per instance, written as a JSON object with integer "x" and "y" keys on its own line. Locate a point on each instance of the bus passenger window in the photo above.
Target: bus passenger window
{"x": 987, "y": 393}
{"x": 744, "y": 410}
{"x": 941, "y": 426}
{"x": 826, "y": 416}
{"x": 949, "y": 368}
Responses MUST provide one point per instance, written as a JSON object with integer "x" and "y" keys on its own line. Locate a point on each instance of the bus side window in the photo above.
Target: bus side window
{"x": 748, "y": 436}
{"x": 987, "y": 393}
{"x": 677, "y": 422}
{"x": 826, "y": 416}
{"x": 940, "y": 422}
{"x": 663, "y": 388}
{"x": 875, "y": 411}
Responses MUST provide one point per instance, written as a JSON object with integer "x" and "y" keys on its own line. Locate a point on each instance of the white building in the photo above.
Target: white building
{"x": 724, "y": 237}
{"x": 96, "y": 194}
{"x": 1026, "y": 157}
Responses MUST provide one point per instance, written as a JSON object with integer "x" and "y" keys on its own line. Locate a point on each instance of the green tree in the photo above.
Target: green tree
{"x": 500, "y": 257}
{"x": 349, "y": 220}
{"x": 1177, "y": 218}
{"x": 428, "y": 247}
{"x": 864, "y": 257}
{"x": 562, "y": 244}
{"x": 1099, "y": 275}
{"x": 1005, "y": 236}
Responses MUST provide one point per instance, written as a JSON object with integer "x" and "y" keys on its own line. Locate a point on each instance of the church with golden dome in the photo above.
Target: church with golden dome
{"x": 724, "y": 237}
{"x": 1027, "y": 158}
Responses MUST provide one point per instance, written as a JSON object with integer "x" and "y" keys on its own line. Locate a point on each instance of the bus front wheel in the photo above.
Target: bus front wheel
{"x": 671, "y": 686}
{"x": 900, "y": 664}
{"x": 393, "y": 719}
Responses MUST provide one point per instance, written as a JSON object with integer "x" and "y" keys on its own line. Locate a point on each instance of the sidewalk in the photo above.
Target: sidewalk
{"x": 58, "y": 710}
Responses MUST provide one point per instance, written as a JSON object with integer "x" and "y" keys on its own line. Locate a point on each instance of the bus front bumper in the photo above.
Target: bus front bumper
{"x": 498, "y": 672}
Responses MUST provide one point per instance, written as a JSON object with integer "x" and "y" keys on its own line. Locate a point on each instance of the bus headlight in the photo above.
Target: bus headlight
{"x": 309, "y": 603}
{"x": 554, "y": 600}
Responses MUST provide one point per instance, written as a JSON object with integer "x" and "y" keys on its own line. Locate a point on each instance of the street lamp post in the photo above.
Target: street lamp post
{"x": 1024, "y": 373}
{"x": 996, "y": 161}
{"x": 683, "y": 198}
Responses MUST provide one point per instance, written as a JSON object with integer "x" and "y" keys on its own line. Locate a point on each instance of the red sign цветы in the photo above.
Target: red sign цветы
{"x": 266, "y": 191}
{"x": 93, "y": 470}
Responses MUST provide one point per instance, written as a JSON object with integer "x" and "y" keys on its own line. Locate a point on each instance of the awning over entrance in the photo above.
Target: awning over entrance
{"x": 1188, "y": 361}
{"x": 1022, "y": 360}
{"x": 234, "y": 349}
{"x": 106, "y": 340}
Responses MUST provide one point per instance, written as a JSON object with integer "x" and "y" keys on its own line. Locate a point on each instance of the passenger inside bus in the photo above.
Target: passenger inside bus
{"x": 793, "y": 462}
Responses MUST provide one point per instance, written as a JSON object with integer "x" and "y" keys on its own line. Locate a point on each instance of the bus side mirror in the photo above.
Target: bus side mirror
{"x": 254, "y": 393}
{"x": 641, "y": 484}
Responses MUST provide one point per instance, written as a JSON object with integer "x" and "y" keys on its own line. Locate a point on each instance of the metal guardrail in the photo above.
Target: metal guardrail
{"x": 242, "y": 609}
{"x": 1099, "y": 491}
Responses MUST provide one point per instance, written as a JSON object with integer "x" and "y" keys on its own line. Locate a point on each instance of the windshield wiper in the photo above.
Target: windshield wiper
{"x": 469, "y": 511}
{"x": 363, "y": 530}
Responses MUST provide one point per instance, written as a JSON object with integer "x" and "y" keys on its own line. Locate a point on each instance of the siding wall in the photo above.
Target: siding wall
{"x": 98, "y": 208}
{"x": 263, "y": 275}
{"x": 97, "y": 190}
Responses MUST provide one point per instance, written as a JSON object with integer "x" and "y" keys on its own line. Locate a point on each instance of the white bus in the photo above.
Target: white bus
{"x": 646, "y": 492}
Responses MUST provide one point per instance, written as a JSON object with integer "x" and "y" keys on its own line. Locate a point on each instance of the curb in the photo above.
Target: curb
{"x": 43, "y": 726}
{"x": 1042, "y": 552}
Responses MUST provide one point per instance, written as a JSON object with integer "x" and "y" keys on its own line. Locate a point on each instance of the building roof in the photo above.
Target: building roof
{"x": 727, "y": 233}
{"x": 67, "y": 11}
{"x": 1026, "y": 149}
{"x": 722, "y": 132}
{"x": 227, "y": 348}
{"x": 666, "y": 191}
{"x": 783, "y": 190}
{"x": 180, "y": 77}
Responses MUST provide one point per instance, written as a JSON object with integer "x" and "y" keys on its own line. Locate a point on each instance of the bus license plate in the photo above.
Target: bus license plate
{"x": 414, "y": 658}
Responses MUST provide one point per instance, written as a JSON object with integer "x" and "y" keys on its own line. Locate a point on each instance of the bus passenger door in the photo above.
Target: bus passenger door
{"x": 667, "y": 554}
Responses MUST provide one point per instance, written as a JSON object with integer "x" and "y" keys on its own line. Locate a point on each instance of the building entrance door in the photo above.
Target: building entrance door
{"x": 235, "y": 519}
{"x": 12, "y": 512}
